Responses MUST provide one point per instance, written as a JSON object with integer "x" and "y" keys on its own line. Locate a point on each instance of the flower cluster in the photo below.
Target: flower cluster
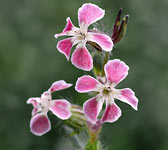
{"x": 104, "y": 86}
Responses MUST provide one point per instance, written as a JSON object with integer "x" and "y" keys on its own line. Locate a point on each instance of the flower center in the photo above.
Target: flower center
{"x": 107, "y": 91}
{"x": 45, "y": 102}
{"x": 81, "y": 36}
{"x": 81, "y": 33}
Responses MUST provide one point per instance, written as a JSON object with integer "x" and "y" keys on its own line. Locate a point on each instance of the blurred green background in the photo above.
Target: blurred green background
{"x": 30, "y": 63}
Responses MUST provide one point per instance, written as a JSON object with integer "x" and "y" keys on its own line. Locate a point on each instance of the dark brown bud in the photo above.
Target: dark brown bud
{"x": 120, "y": 27}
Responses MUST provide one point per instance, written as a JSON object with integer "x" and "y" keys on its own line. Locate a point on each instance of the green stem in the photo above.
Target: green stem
{"x": 94, "y": 131}
{"x": 106, "y": 58}
{"x": 95, "y": 146}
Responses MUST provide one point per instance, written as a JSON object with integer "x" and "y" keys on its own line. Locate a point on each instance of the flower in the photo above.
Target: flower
{"x": 115, "y": 72}
{"x": 81, "y": 58}
{"x": 40, "y": 123}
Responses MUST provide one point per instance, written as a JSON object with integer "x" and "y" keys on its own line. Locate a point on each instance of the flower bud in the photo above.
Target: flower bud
{"x": 78, "y": 119}
{"x": 120, "y": 27}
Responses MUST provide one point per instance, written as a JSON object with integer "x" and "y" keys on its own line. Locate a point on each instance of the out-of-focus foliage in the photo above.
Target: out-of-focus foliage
{"x": 29, "y": 63}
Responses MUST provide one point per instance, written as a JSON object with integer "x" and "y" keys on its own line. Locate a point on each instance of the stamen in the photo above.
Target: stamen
{"x": 107, "y": 90}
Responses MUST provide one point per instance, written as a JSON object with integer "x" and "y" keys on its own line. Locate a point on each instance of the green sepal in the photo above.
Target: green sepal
{"x": 78, "y": 120}
{"x": 97, "y": 63}
{"x": 96, "y": 146}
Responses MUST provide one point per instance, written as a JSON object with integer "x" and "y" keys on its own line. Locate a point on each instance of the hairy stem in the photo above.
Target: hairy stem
{"x": 94, "y": 131}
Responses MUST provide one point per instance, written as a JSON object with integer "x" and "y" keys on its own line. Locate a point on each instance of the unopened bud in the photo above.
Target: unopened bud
{"x": 120, "y": 27}
{"x": 78, "y": 119}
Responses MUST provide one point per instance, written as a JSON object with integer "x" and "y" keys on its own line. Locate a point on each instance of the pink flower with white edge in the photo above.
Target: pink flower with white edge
{"x": 81, "y": 58}
{"x": 115, "y": 72}
{"x": 40, "y": 123}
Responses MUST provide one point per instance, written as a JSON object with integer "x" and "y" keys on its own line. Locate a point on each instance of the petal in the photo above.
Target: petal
{"x": 92, "y": 108}
{"x": 128, "y": 96}
{"x": 61, "y": 108}
{"x": 104, "y": 41}
{"x": 116, "y": 70}
{"x": 112, "y": 113}
{"x": 86, "y": 83}
{"x": 89, "y": 13}
{"x": 82, "y": 59}
{"x": 34, "y": 111}
{"x": 59, "y": 85}
{"x": 65, "y": 46}
{"x": 40, "y": 124}
{"x": 69, "y": 26}
{"x": 34, "y": 101}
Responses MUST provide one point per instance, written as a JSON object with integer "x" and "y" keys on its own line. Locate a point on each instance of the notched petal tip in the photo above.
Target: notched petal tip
{"x": 112, "y": 113}
{"x": 61, "y": 108}
{"x": 128, "y": 96}
{"x": 40, "y": 124}
{"x": 33, "y": 101}
{"x": 116, "y": 70}
{"x": 86, "y": 83}
{"x": 69, "y": 26}
{"x": 59, "y": 85}
{"x": 90, "y": 13}
{"x": 104, "y": 41}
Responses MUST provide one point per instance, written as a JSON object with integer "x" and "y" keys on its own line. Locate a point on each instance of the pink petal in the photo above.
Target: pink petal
{"x": 59, "y": 85}
{"x": 34, "y": 111}
{"x": 86, "y": 83}
{"x": 82, "y": 59}
{"x": 65, "y": 46}
{"x": 33, "y": 101}
{"x": 128, "y": 96}
{"x": 69, "y": 26}
{"x": 61, "y": 108}
{"x": 104, "y": 41}
{"x": 92, "y": 108}
{"x": 116, "y": 70}
{"x": 112, "y": 113}
{"x": 89, "y": 13}
{"x": 40, "y": 124}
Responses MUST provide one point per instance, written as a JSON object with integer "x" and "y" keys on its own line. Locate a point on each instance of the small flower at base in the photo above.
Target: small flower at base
{"x": 40, "y": 123}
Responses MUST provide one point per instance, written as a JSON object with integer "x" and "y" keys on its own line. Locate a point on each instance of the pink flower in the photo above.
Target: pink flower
{"x": 115, "y": 72}
{"x": 40, "y": 123}
{"x": 81, "y": 58}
